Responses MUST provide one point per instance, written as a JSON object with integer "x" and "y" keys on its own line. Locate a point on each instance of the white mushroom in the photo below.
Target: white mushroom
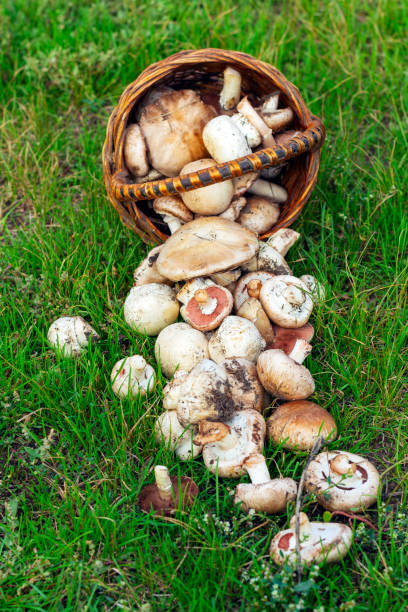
{"x": 233, "y": 211}
{"x": 135, "y": 151}
{"x": 278, "y": 119}
{"x": 252, "y": 310}
{"x": 224, "y": 140}
{"x": 259, "y": 214}
{"x": 172, "y": 391}
{"x": 266, "y": 189}
{"x": 282, "y": 240}
{"x": 286, "y": 301}
{"x": 236, "y": 337}
{"x": 132, "y": 376}
{"x": 150, "y": 308}
{"x": 180, "y": 346}
{"x": 190, "y": 287}
{"x": 284, "y": 377}
{"x": 316, "y": 290}
{"x": 271, "y": 102}
{"x": 343, "y": 480}
{"x": 178, "y": 438}
{"x": 71, "y": 335}
{"x": 246, "y": 109}
{"x": 249, "y": 285}
{"x": 173, "y": 211}
{"x": 147, "y": 271}
{"x": 250, "y": 132}
{"x": 210, "y": 200}
{"x": 231, "y": 90}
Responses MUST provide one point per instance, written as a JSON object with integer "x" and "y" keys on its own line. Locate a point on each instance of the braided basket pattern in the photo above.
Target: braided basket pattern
{"x": 202, "y": 70}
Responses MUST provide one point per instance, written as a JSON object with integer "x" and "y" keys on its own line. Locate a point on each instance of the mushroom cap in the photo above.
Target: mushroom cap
{"x": 190, "y": 287}
{"x": 135, "y": 151}
{"x": 71, "y": 335}
{"x": 236, "y": 337}
{"x": 277, "y": 119}
{"x": 246, "y": 389}
{"x": 269, "y": 260}
{"x": 172, "y": 126}
{"x": 248, "y": 426}
{"x": 185, "y": 491}
{"x": 150, "y": 308}
{"x": 283, "y": 377}
{"x": 210, "y": 200}
{"x": 269, "y": 497}
{"x": 224, "y": 140}
{"x": 178, "y": 438}
{"x": 252, "y": 310}
{"x": 259, "y": 214}
{"x": 205, "y": 395}
{"x": 285, "y": 338}
{"x": 172, "y": 390}
{"x": 132, "y": 376}
{"x": 147, "y": 272}
{"x": 356, "y": 488}
{"x": 286, "y": 301}
{"x": 319, "y": 542}
{"x": 209, "y": 315}
{"x": 180, "y": 346}
{"x": 241, "y": 290}
{"x": 204, "y": 246}
{"x": 316, "y": 289}
{"x": 174, "y": 206}
{"x": 298, "y": 424}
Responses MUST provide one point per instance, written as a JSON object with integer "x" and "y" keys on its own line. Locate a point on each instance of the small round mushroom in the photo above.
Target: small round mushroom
{"x": 231, "y": 90}
{"x": 71, "y": 335}
{"x": 208, "y": 308}
{"x": 147, "y": 271}
{"x": 174, "y": 212}
{"x": 210, "y": 200}
{"x": 266, "y": 189}
{"x": 297, "y": 425}
{"x": 168, "y": 494}
{"x": 260, "y": 214}
{"x": 328, "y": 542}
{"x": 278, "y": 119}
{"x": 246, "y": 109}
{"x": 285, "y": 338}
{"x": 132, "y": 376}
{"x": 180, "y": 346}
{"x": 271, "y": 261}
{"x": 283, "y": 239}
{"x": 150, "y": 308}
{"x": 245, "y": 387}
{"x": 178, "y": 438}
{"x": 254, "y": 280}
{"x": 316, "y": 290}
{"x": 135, "y": 151}
{"x": 283, "y": 377}
{"x": 224, "y": 140}
{"x": 286, "y": 301}
{"x": 343, "y": 481}
{"x": 236, "y": 337}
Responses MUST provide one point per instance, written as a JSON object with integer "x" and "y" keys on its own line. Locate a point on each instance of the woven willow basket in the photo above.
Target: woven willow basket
{"x": 202, "y": 71}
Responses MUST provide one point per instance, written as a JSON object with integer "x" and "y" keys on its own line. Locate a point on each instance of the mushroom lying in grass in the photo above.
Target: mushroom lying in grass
{"x": 168, "y": 429}
{"x": 342, "y": 480}
{"x": 254, "y": 280}
{"x": 135, "y": 151}
{"x": 173, "y": 211}
{"x": 286, "y": 301}
{"x": 168, "y": 493}
{"x": 298, "y": 424}
{"x": 210, "y": 200}
{"x": 150, "y": 308}
{"x": 319, "y": 542}
{"x": 180, "y": 346}
{"x": 271, "y": 261}
{"x": 172, "y": 391}
{"x": 132, "y": 376}
{"x": 284, "y": 376}
{"x": 71, "y": 335}
{"x": 236, "y": 337}
{"x": 316, "y": 290}
{"x": 208, "y": 308}
{"x": 147, "y": 271}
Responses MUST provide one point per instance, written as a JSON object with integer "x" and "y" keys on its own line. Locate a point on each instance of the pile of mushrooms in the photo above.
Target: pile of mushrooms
{"x": 231, "y": 320}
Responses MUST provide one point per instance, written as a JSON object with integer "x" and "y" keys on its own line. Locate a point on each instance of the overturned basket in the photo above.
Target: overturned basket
{"x": 202, "y": 71}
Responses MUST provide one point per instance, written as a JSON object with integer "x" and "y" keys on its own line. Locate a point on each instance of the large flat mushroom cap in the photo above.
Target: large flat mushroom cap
{"x": 204, "y": 246}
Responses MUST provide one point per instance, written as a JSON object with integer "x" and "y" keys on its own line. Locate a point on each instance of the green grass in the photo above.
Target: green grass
{"x": 74, "y": 457}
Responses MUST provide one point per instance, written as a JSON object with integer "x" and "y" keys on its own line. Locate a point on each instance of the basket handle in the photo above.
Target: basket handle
{"x": 311, "y": 138}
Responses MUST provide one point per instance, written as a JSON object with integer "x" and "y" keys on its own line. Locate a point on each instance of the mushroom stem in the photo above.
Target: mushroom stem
{"x": 246, "y": 109}
{"x": 231, "y": 90}
{"x": 173, "y": 223}
{"x": 163, "y": 482}
{"x": 269, "y": 190}
{"x": 300, "y": 351}
{"x": 257, "y": 469}
{"x": 206, "y": 304}
{"x": 254, "y": 288}
{"x": 294, "y": 295}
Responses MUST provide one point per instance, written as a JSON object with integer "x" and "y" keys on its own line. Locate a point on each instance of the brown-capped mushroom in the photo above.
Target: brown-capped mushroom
{"x": 328, "y": 542}
{"x": 180, "y": 346}
{"x": 135, "y": 151}
{"x": 147, "y": 271}
{"x": 236, "y": 337}
{"x": 226, "y": 278}
{"x": 168, "y": 429}
{"x": 342, "y": 480}
{"x": 150, "y": 308}
{"x": 285, "y": 338}
{"x": 174, "y": 212}
{"x": 168, "y": 493}
{"x": 210, "y": 200}
{"x": 286, "y": 301}
{"x": 208, "y": 308}
{"x": 284, "y": 377}
{"x": 132, "y": 376}
{"x": 297, "y": 425}
{"x": 259, "y": 214}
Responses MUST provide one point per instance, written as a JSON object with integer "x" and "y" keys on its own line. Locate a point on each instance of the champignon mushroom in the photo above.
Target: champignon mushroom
{"x": 342, "y": 480}
{"x": 208, "y": 308}
{"x": 328, "y": 542}
{"x": 231, "y": 90}
{"x": 174, "y": 212}
{"x": 284, "y": 377}
{"x": 270, "y": 190}
{"x": 263, "y": 494}
{"x": 286, "y": 301}
{"x": 132, "y": 376}
{"x": 172, "y": 391}
{"x": 252, "y": 310}
{"x": 71, "y": 335}
{"x": 316, "y": 290}
{"x": 210, "y": 200}
{"x": 259, "y": 214}
{"x": 277, "y": 119}
{"x": 245, "y": 387}
{"x": 233, "y": 211}
{"x": 168, "y": 493}
{"x": 249, "y": 283}
{"x": 180, "y": 346}
{"x": 297, "y": 425}
{"x": 190, "y": 287}
{"x": 252, "y": 135}
{"x": 172, "y": 128}
{"x": 236, "y": 337}
{"x": 271, "y": 261}
{"x": 285, "y": 338}
{"x": 226, "y": 278}
{"x": 283, "y": 239}
{"x": 135, "y": 151}
{"x": 205, "y": 395}
{"x": 150, "y": 308}
{"x": 204, "y": 246}
{"x": 147, "y": 271}
{"x": 246, "y": 109}
{"x": 270, "y": 102}
{"x": 224, "y": 140}
{"x": 178, "y": 438}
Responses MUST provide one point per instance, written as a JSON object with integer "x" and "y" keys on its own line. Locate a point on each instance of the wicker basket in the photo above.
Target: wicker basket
{"x": 202, "y": 70}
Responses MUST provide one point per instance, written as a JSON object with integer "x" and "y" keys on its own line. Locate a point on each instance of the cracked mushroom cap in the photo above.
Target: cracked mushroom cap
{"x": 245, "y": 437}
{"x": 150, "y": 308}
{"x": 71, "y": 335}
{"x": 147, "y": 272}
{"x": 210, "y": 200}
{"x": 319, "y": 542}
{"x": 283, "y": 377}
{"x": 241, "y": 290}
{"x": 270, "y": 497}
{"x": 259, "y": 214}
{"x": 286, "y": 301}
{"x": 180, "y": 346}
{"x": 298, "y": 424}
{"x": 343, "y": 480}
{"x": 205, "y": 395}
{"x": 168, "y": 429}
{"x": 208, "y": 308}
{"x": 204, "y": 246}
{"x": 285, "y": 338}
{"x": 246, "y": 389}
{"x": 236, "y": 337}
{"x": 132, "y": 376}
